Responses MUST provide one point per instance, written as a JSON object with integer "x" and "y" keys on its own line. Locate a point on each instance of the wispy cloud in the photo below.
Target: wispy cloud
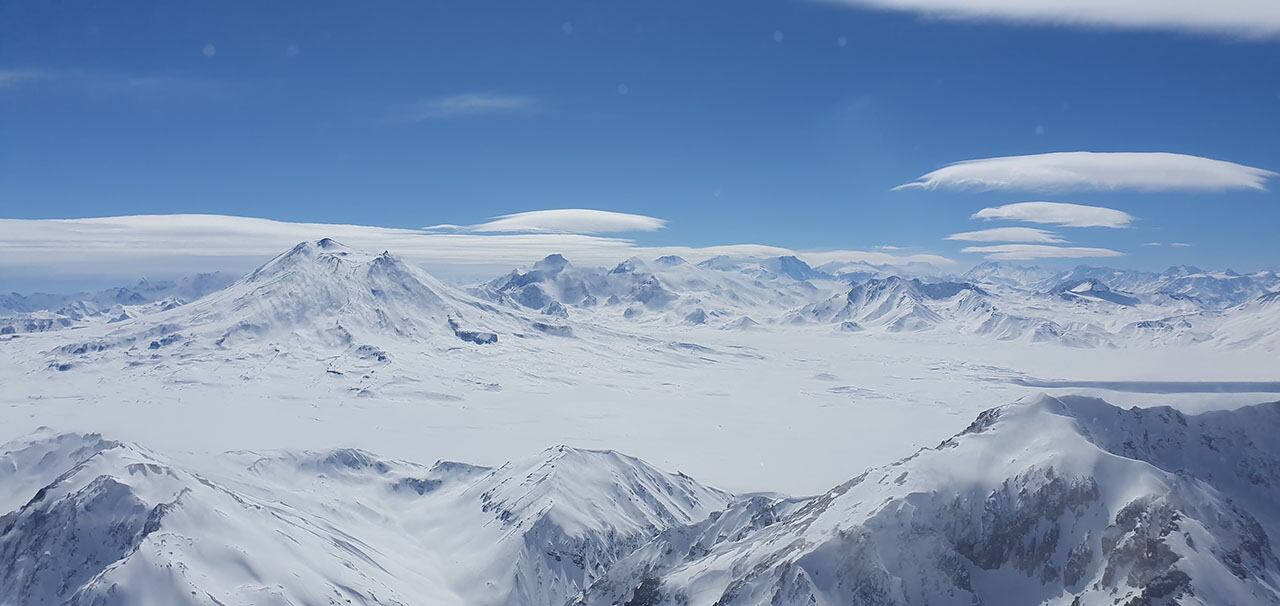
{"x": 465, "y": 105}
{"x": 1028, "y": 252}
{"x": 1058, "y": 213}
{"x": 171, "y": 244}
{"x": 874, "y": 257}
{"x": 1094, "y": 171}
{"x": 1009, "y": 234}
{"x": 98, "y": 82}
{"x": 15, "y": 77}
{"x": 1248, "y": 18}
{"x": 1179, "y": 245}
{"x": 562, "y": 220}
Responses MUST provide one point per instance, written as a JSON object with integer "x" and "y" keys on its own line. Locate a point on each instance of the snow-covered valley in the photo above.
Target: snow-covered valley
{"x": 237, "y": 426}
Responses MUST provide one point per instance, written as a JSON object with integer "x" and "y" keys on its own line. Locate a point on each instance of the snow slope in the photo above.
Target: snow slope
{"x": 318, "y": 297}
{"x": 1046, "y": 501}
{"x": 41, "y": 312}
{"x": 131, "y": 526}
{"x": 723, "y": 292}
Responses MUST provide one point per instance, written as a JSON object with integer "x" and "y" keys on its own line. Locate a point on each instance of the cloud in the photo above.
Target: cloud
{"x": 1009, "y": 234}
{"x": 156, "y": 245}
{"x": 95, "y": 82}
{"x": 1248, "y": 18}
{"x": 1095, "y": 171}
{"x": 1179, "y": 245}
{"x": 15, "y": 77}
{"x": 872, "y": 257}
{"x": 1151, "y": 244}
{"x": 1058, "y": 213}
{"x": 465, "y": 105}
{"x": 1027, "y": 252}
{"x": 562, "y": 220}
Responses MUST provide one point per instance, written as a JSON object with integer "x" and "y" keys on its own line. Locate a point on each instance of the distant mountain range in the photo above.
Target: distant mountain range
{"x": 332, "y": 293}
{"x": 39, "y": 312}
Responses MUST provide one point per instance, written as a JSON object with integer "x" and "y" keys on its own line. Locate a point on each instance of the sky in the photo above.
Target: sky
{"x": 805, "y": 125}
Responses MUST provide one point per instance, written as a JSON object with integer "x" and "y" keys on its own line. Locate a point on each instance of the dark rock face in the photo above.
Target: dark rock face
{"x": 1137, "y": 550}
{"x": 89, "y": 529}
{"x": 473, "y": 336}
{"x": 1018, "y": 524}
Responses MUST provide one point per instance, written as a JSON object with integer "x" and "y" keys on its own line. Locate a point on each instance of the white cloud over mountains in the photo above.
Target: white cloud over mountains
{"x": 1095, "y": 171}
{"x": 155, "y": 245}
{"x": 1248, "y": 18}
{"x": 1009, "y": 234}
{"x": 1058, "y": 213}
{"x": 1029, "y": 252}
{"x": 562, "y": 220}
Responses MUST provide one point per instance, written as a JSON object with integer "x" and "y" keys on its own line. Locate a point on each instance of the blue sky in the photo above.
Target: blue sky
{"x": 785, "y": 123}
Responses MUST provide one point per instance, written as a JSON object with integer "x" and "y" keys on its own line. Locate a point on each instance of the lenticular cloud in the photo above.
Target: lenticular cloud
{"x": 1028, "y": 252}
{"x": 561, "y": 221}
{"x": 1009, "y": 234}
{"x": 1058, "y": 213}
{"x": 1246, "y": 18}
{"x": 1095, "y": 171}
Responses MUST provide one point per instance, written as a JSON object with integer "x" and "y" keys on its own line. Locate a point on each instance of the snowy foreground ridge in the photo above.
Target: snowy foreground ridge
{"x": 1064, "y": 500}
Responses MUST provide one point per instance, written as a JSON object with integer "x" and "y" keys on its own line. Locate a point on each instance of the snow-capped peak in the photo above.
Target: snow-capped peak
{"x": 574, "y": 488}
{"x": 1048, "y": 500}
{"x": 551, "y": 264}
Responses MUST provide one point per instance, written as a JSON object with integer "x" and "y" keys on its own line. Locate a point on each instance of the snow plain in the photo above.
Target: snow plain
{"x": 783, "y": 406}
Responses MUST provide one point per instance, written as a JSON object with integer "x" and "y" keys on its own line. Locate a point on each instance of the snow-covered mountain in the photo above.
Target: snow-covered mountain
{"x": 1046, "y": 501}
{"x": 131, "y": 526}
{"x": 894, "y": 304}
{"x": 319, "y": 296}
{"x": 722, "y": 291}
{"x": 1063, "y": 500}
{"x": 324, "y": 295}
{"x": 1205, "y": 289}
{"x": 41, "y": 312}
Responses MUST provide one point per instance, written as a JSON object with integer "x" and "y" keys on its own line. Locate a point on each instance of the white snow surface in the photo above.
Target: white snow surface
{"x": 1047, "y": 500}
{"x": 265, "y": 400}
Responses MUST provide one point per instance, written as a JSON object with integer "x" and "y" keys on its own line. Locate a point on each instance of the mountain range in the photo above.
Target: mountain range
{"x": 1082, "y": 307}
{"x": 1058, "y": 499}
{"x": 1047, "y": 500}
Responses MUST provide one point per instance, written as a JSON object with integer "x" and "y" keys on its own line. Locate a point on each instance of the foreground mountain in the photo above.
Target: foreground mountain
{"x": 131, "y": 526}
{"x": 1046, "y": 501}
